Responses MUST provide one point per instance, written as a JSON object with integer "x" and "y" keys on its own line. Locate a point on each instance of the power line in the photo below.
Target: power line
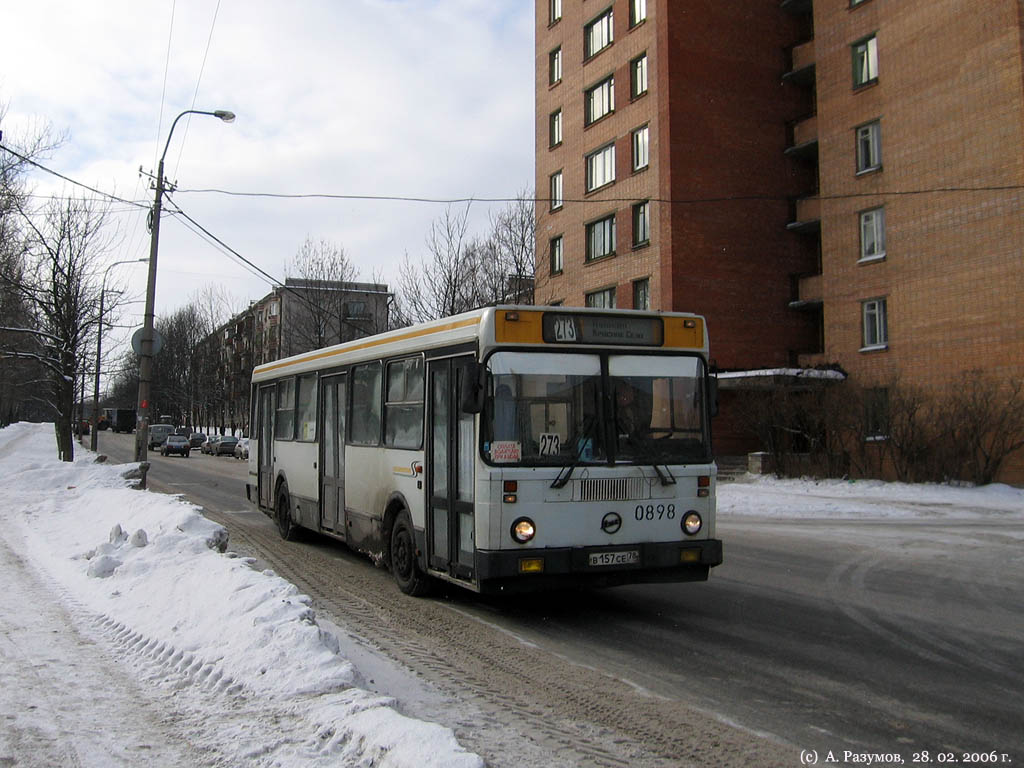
{"x": 101, "y": 193}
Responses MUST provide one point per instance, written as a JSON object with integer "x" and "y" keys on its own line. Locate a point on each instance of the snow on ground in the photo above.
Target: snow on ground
{"x": 178, "y": 647}
{"x": 127, "y": 636}
{"x": 858, "y": 499}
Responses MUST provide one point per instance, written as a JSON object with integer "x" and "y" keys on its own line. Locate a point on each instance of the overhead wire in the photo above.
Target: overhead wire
{"x": 199, "y": 80}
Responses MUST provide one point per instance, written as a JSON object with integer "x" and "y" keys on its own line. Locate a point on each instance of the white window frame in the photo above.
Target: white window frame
{"x": 555, "y": 128}
{"x": 872, "y": 234}
{"x": 555, "y": 66}
{"x": 865, "y": 61}
{"x": 600, "y": 238}
{"x": 555, "y": 11}
{"x": 557, "y": 255}
{"x": 874, "y": 324}
{"x": 556, "y": 190}
{"x": 638, "y": 82}
{"x": 603, "y": 299}
{"x": 641, "y": 141}
{"x": 598, "y": 34}
{"x": 600, "y": 167}
{"x": 637, "y": 12}
{"x": 599, "y": 100}
{"x": 869, "y": 147}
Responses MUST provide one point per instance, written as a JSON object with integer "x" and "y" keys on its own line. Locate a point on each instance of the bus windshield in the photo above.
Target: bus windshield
{"x": 559, "y": 409}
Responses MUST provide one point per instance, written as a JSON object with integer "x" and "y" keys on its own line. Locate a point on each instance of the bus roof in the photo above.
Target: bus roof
{"x": 506, "y": 325}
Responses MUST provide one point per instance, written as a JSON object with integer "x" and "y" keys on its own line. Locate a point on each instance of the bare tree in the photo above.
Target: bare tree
{"x": 17, "y": 375}
{"x": 61, "y": 285}
{"x": 319, "y": 316}
{"x": 461, "y": 272}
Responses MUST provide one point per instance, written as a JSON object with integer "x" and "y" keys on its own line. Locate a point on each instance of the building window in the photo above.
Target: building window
{"x": 599, "y": 101}
{"x": 869, "y": 147}
{"x": 598, "y": 34}
{"x": 872, "y": 234}
{"x": 274, "y": 309}
{"x": 555, "y": 11}
{"x": 600, "y": 167}
{"x": 642, "y": 294}
{"x": 865, "y": 61}
{"x": 638, "y": 76}
{"x": 601, "y": 238}
{"x": 876, "y": 414}
{"x": 555, "y": 126}
{"x": 641, "y": 148}
{"x": 637, "y": 12}
{"x": 556, "y": 255}
{"x": 604, "y": 299}
{"x": 555, "y": 66}
{"x": 876, "y": 329}
{"x": 642, "y": 223}
{"x": 403, "y": 408}
{"x": 556, "y": 190}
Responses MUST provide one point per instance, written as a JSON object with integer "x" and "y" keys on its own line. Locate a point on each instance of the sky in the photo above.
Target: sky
{"x": 366, "y": 98}
{"x": 183, "y": 652}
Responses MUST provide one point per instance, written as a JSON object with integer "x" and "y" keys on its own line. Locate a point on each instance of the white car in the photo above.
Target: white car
{"x": 242, "y": 448}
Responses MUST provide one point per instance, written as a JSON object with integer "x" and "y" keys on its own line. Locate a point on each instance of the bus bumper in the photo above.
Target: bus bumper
{"x": 518, "y": 570}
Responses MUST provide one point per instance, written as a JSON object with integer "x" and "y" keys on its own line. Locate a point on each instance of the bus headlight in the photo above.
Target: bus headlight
{"x": 692, "y": 523}
{"x": 523, "y": 530}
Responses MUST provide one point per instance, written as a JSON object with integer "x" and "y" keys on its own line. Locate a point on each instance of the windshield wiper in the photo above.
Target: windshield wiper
{"x": 566, "y": 472}
{"x": 644, "y": 451}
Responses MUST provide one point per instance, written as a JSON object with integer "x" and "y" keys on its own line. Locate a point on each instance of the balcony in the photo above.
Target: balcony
{"x": 806, "y": 217}
{"x": 801, "y": 64}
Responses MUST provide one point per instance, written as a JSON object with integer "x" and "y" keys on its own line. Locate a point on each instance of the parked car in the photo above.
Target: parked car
{"x": 158, "y": 433}
{"x": 209, "y": 444}
{"x": 176, "y": 444}
{"x": 196, "y": 439}
{"x": 242, "y": 448}
{"x": 225, "y": 446}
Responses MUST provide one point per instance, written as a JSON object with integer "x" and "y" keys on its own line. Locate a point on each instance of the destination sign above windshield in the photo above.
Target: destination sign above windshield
{"x": 603, "y": 329}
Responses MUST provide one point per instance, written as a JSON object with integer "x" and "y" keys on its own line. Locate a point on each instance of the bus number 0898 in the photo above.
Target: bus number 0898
{"x": 652, "y": 512}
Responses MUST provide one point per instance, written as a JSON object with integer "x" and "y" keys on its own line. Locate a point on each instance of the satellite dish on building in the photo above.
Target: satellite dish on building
{"x": 158, "y": 341}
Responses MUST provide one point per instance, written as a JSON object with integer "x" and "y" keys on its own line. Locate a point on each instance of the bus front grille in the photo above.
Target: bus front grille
{"x": 612, "y": 489}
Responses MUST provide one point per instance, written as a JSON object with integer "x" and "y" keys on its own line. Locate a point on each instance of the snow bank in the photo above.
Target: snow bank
{"x": 148, "y": 569}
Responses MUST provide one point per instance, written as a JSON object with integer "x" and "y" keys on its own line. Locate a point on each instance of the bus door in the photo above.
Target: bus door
{"x": 451, "y": 447}
{"x": 265, "y": 445}
{"x": 332, "y": 454}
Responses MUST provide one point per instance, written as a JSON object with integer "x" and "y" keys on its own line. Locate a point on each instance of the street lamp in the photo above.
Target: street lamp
{"x": 94, "y": 438}
{"x": 146, "y": 342}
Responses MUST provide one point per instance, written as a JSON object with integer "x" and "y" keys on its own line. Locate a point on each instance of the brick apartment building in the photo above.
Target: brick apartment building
{"x": 828, "y": 181}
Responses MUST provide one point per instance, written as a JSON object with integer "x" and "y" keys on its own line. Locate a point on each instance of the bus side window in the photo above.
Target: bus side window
{"x": 365, "y": 416}
{"x": 284, "y": 423}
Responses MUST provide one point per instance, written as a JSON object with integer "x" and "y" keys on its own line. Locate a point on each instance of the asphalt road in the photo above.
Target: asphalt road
{"x": 902, "y": 637}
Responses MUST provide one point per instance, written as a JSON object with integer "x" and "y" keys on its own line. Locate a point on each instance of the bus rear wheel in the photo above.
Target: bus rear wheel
{"x": 404, "y": 564}
{"x": 285, "y": 525}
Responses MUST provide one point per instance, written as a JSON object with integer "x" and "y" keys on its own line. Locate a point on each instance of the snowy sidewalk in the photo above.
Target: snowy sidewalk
{"x": 126, "y": 638}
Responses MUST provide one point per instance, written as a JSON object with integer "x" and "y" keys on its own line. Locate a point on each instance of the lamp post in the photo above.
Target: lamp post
{"x": 146, "y": 342}
{"x": 94, "y": 438}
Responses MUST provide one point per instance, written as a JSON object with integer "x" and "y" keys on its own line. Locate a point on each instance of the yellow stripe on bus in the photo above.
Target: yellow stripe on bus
{"x": 369, "y": 344}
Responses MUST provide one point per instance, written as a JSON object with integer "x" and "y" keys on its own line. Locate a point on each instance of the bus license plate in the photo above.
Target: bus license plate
{"x": 615, "y": 558}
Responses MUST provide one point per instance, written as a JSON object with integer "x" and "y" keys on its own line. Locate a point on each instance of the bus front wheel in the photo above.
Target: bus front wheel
{"x": 404, "y": 565}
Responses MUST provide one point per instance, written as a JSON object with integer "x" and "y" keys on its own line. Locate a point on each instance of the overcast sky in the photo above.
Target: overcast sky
{"x": 408, "y": 98}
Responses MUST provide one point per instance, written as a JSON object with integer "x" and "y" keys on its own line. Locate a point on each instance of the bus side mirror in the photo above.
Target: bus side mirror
{"x": 472, "y": 388}
{"x": 713, "y": 395}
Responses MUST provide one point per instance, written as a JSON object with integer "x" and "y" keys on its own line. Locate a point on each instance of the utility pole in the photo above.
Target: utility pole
{"x": 146, "y": 342}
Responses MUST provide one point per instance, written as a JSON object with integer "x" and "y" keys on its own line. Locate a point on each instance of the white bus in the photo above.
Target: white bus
{"x": 505, "y": 449}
